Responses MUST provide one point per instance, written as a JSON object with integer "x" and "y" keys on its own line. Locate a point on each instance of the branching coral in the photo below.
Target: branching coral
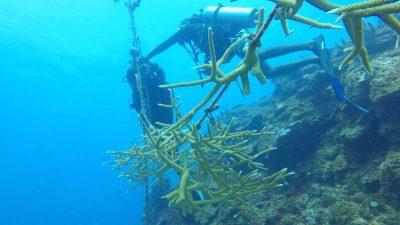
{"x": 217, "y": 164}
{"x": 211, "y": 164}
{"x": 352, "y": 16}
{"x": 289, "y": 11}
{"x": 376, "y": 6}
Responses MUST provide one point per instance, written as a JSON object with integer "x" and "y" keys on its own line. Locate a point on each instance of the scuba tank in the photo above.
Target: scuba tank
{"x": 241, "y": 17}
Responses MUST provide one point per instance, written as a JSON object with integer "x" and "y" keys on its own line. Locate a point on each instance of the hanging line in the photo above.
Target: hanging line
{"x": 143, "y": 94}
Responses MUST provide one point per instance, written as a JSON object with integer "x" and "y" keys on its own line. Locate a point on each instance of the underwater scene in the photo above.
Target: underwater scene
{"x": 155, "y": 112}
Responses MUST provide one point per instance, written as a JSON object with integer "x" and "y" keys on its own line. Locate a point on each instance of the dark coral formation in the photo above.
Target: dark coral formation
{"x": 347, "y": 162}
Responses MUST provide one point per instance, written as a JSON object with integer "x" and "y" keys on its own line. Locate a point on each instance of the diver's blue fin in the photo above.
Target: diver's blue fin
{"x": 341, "y": 96}
{"x": 351, "y": 102}
{"x": 337, "y": 88}
{"x": 333, "y": 80}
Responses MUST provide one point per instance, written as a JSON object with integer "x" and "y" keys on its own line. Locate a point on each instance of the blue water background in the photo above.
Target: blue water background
{"x": 62, "y": 102}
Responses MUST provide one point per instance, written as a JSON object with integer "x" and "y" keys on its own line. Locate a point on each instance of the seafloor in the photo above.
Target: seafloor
{"x": 347, "y": 162}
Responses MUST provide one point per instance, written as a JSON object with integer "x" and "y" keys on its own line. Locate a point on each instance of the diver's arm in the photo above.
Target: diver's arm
{"x": 177, "y": 36}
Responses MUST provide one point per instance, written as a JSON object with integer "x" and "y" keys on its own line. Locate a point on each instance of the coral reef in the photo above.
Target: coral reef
{"x": 347, "y": 162}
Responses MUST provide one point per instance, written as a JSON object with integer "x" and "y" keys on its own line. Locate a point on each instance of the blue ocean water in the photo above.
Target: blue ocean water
{"x": 62, "y": 102}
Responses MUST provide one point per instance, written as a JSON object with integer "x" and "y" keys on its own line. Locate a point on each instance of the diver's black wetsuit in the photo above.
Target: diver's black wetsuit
{"x": 194, "y": 32}
{"x": 151, "y": 77}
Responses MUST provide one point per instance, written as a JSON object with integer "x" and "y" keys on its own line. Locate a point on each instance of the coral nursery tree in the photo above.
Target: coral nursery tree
{"x": 215, "y": 163}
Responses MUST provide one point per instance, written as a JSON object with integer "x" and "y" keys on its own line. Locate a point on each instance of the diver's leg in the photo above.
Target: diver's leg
{"x": 288, "y": 67}
{"x": 280, "y": 50}
{"x": 277, "y": 51}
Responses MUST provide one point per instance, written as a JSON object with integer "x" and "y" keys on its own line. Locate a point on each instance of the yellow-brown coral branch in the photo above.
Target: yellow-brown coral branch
{"x": 360, "y": 6}
{"x": 313, "y": 23}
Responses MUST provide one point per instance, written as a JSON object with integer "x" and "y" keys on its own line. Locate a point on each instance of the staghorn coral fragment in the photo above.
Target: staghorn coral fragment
{"x": 289, "y": 11}
{"x": 391, "y": 21}
{"x": 296, "y": 7}
{"x": 373, "y": 11}
{"x": 352, "y": 16}
{"x": 282, "y": 16}
{"x": 361, "y": 6}
{"x": 313, "y": 23}
{"x": 209, "y": 162}
{"x": 355, "y": 28}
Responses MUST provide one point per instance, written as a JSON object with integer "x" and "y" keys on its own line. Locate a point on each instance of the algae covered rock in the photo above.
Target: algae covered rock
{"x": 385, "y": 84}
{"x": 329, "y": 163}
{"x": 390, "y": 175}
{"x": 345, "y": 212}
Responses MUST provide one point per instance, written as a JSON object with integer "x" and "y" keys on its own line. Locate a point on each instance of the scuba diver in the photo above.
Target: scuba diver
{"x": 144, "y": 78}
{"x": 231, "y": 23}
{"x": 146, "y": 93}
{"x": 228, "y": 24}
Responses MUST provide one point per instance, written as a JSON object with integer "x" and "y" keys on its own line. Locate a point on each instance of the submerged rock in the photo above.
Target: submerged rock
{"x": 389, "y": 171}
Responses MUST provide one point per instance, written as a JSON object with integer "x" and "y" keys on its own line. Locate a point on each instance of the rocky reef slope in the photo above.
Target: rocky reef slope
{"x": 347, "y": 162}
